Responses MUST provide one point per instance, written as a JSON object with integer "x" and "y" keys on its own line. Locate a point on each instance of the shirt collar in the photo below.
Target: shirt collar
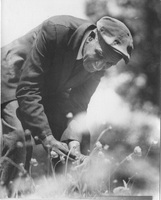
{"x": 79, "y": 55}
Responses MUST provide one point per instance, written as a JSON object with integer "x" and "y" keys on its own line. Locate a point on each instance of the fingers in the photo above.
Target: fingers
{"x": 65, "y": 145}
{"x": 57, "y": 153}
{"x": 64, "y": 149}
{"x": 59, "y": 149}
{"x": 60, "y": 153}
{"x": 72, "y": 156}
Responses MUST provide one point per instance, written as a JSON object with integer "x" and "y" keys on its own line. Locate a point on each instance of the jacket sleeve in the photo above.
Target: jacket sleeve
{"x": 30, "y": 89}
{"x": 79, "y": 100}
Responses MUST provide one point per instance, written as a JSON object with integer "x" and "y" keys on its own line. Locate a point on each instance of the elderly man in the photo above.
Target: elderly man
{"x": 51, "y": 71}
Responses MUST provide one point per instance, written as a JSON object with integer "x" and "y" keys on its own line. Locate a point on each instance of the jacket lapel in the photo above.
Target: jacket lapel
{"x": 70, "y": 74}
{"x": 78, "y": 76}
{"x": 68, "y": 67}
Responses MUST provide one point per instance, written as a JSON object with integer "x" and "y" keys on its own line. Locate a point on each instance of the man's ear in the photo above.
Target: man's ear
{"x": 91, "y": 36}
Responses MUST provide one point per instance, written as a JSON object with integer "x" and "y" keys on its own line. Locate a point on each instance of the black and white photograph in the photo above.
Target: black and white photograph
{"x": 80, "y": 99}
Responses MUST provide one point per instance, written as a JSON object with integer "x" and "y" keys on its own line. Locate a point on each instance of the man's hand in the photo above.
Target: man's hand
{"x": 74, "y": 147}
{"x": 53, "y": 145}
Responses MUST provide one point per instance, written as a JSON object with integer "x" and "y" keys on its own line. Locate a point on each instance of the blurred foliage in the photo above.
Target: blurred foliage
{"x": 137, "y": 84}
{"x": 143, "y": 19}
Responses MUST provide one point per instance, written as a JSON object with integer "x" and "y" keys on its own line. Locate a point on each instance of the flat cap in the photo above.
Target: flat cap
{"x": 116, "y": 34}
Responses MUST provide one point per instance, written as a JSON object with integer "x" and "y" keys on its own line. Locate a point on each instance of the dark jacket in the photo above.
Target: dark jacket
{"x": 43, "y": 64}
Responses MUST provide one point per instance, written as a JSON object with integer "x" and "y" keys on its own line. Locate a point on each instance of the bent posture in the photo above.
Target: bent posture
{"x": 51, "y": 71}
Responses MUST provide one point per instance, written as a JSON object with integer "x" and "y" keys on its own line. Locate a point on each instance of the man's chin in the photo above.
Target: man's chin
{"x": 89, "y": 68}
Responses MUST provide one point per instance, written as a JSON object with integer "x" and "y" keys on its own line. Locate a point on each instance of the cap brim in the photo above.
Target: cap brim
{"x": 126, "y": 59}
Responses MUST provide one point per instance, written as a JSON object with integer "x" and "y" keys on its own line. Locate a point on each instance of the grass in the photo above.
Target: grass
{"x": 88, "y": 179}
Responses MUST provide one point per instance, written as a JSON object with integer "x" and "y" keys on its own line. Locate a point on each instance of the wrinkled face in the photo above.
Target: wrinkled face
{"x": 95, "y": 59}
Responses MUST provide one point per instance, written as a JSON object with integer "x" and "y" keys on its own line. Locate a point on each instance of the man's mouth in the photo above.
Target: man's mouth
{"x": 90, "y": 67}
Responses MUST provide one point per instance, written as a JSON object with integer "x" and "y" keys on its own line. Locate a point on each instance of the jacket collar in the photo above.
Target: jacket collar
{"x": 77, "y": 37}
{"x": 73, "y": 48}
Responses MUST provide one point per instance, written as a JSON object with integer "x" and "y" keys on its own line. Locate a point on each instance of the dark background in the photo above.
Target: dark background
{"x": 143, "y": 19}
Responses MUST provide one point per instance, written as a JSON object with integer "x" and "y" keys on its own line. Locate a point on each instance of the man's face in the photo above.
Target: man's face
{"x": 94, "y": 59}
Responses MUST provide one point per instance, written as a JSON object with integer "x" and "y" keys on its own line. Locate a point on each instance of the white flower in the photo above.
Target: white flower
{"x": 100, "y": 154}
{"x": 69, "y": 115}
{"x": 98, "y": 145}
{"x": 154, "y": 142}
{"x": 19, "y": 144}
{"x": 62, "y": 158}
{"x": 137, "y": 151}
{"x": 115, "y": 181}
{"x": 34, "y": 162}
{"x": 129, "y": 158}
{"x": 106, "y": 147}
